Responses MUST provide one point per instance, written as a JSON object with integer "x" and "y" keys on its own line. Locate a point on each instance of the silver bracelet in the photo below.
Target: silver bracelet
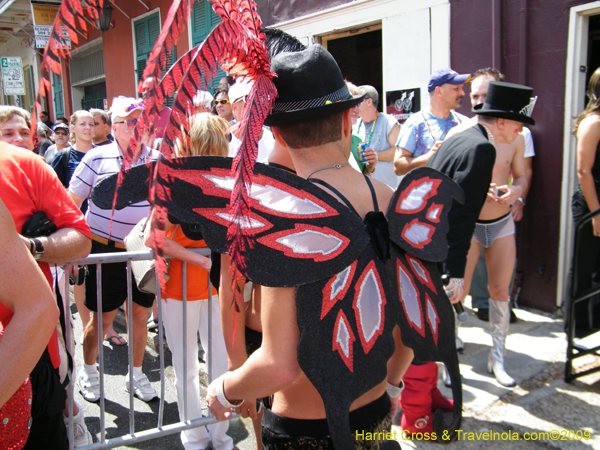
{"x": 221, "y": 396}
{"x": 394, "y": 391}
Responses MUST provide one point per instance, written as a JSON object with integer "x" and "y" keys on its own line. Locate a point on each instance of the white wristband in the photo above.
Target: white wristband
{"x": 221, "y": 396}
{"x": 394, "y": 391}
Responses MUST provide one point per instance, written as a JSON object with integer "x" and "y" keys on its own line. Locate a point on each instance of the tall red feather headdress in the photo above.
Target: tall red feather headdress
{"x": 238, "y": 46}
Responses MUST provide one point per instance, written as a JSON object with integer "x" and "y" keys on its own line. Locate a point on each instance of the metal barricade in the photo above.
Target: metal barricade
{"x": 160, "y": 430}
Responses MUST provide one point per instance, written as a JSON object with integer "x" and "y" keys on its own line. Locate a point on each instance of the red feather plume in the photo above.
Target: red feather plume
{"x": 238, "y": 45}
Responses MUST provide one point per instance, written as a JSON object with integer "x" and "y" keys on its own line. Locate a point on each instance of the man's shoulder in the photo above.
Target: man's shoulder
{"x": 25, "y": 159}
{"x": 411, "y": 124}
{"x": 462, "y": 117}
{"x": 469, "y": 139}
{"x": 414, "y": 119}
{"x": 389, "y": 118}
{"x": 472, "y": 134}
{"x": 103, "y": 151}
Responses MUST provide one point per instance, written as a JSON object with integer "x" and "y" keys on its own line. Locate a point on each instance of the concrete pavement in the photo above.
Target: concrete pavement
{"x": 542, "y": 401}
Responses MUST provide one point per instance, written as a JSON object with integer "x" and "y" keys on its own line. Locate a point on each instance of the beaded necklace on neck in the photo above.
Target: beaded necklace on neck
{"x": 372, "y": 128}
{"x": 490, "y": 136}
{"x": 334, "y": 166}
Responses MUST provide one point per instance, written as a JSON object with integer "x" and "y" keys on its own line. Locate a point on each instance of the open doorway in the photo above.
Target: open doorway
{"x": 593, "y": 53}
{"x": 583, "y": 57}
{"x": 359, "y": 55}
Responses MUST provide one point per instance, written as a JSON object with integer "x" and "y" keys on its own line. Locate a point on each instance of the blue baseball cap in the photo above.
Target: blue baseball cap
{"x": 447, "y": 75}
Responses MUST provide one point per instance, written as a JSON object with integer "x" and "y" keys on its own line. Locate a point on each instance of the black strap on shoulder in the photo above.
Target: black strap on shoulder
{"x": 66, "y": 155}
{"x": 65, "y": 158}
{"x": 335, "y": 191}
{"x": 373, "y": 196}
{"x": 282, "y": 167}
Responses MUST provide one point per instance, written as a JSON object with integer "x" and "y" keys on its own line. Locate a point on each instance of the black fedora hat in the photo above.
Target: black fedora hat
{"x": 310, "y": 86}
{"x": 508, "y": 101}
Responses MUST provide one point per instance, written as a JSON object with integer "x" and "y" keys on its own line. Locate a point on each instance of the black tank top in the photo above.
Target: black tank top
{"x": 596, "y": 169}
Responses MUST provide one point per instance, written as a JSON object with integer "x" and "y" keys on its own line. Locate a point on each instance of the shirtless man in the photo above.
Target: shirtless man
{"x": 480, "y": 81}
{"x": 494, "y": 231}
{"x": 318, "y": 139}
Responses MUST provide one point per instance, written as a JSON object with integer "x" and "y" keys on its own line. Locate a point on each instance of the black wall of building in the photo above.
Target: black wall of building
{"x": 527, "y": 41}
{"x": 276, "y": 11}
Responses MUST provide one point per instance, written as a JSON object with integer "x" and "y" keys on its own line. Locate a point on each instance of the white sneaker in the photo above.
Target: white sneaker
{"x": 89, "y": 385}
{"x": 81, "y": 435}
{"x": 141, "y": 388}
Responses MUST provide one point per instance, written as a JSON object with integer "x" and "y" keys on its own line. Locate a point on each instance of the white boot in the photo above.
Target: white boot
{"x": 499, "y": 320}
{"x": 447, "y": 379}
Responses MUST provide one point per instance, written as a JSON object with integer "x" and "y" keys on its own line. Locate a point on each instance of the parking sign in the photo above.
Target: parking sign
{"x": 13, "y": 81}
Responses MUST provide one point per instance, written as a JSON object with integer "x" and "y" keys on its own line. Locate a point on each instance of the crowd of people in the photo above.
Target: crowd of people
{"x": 331, "y": 134}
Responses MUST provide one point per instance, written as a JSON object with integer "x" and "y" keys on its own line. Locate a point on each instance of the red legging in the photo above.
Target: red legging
{"x": 420, "y": 397}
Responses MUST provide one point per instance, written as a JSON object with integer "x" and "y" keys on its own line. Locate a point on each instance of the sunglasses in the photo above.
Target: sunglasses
{"x": 222, "y": 102}
{"x": 61, "y": 133}
{"x": 130, "y": 123}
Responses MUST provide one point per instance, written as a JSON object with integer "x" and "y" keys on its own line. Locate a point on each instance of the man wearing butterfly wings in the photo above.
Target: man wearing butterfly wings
{"x": 349, "y": 295}
{"x": 351, "y": 291}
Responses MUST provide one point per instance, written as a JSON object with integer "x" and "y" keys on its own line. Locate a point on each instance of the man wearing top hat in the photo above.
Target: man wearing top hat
{"x": 311, "y": 119}
{"x": 471, "y": 160}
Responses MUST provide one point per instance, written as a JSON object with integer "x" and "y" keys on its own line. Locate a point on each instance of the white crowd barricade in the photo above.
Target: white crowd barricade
{"x": 160, "y": 430}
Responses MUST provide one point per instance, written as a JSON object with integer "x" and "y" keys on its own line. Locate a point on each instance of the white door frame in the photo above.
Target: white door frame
{"x": 575, "y": 87}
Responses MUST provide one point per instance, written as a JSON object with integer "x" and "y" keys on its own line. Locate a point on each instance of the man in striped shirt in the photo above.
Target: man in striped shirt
{"x": 109, "y": 228}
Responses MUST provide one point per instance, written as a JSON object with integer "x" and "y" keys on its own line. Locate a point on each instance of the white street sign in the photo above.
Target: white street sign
{"x": 13, "y": 81}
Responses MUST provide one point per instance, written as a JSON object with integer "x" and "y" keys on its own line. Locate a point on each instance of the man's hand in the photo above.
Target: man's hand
{"x": 508, "y": 194}
{"x": 395, "y": 402}
{"x": 517, "y": 211}
{"x": 247, "y": 409}
{"x": 455, "y": 290}
{"x": 216, "y": 408}
{"x": 202, "y": 261}
{"x": 371, "y": 156}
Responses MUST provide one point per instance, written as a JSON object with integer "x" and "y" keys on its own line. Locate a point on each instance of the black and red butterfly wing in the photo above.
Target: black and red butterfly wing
{"x": 300, "y": 232}
{"x": 342, "y": 336}
{"x": 418, "y": 222}
{"x": 292, "y": 222}
{"x": 426, "y": 319}
{"x": 418, "y": 213}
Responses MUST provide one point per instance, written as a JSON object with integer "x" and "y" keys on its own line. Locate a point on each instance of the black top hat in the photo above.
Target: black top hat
{"x": 508, "y": 101}
{"x": 310, "y": 86}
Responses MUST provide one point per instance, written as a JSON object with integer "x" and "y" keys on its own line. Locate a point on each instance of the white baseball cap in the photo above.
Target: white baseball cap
{"x": 123, "y": 106}
{"x": 239, "y": 90}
